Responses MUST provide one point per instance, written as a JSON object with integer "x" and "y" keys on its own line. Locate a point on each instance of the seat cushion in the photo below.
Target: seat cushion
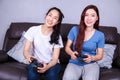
{"x": 13, "y": 71}
{"x": 110, "y": 74}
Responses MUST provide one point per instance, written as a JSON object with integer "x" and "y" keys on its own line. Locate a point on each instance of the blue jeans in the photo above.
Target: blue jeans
{"x": 51, "y": 74}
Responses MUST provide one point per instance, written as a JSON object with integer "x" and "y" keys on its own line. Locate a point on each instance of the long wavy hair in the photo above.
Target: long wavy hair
{"x": 82, "y": 27}
{"x": 56, "y": 29}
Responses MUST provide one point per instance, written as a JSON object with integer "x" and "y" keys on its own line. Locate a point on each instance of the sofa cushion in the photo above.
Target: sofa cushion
{"x": 110, "y": 74}
{"x": 13, "y": 71}
{"x": 106, "y": 61}
{"x": 17, "y": 51}
{"x": 116, "y": 62}
{"x": 110, "y": 34}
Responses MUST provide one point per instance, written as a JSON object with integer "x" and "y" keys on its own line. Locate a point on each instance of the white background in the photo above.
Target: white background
{"x": 35, "y": 10}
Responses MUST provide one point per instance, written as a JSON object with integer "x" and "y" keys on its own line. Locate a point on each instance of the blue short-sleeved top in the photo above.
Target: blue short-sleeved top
{"x": 89, "y": 46}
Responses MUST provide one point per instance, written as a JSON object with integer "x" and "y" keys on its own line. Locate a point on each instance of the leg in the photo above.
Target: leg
{"x": 72, "y": 72}
{"x": 32, "y": 73}
{"x": 91, "y": 72}
{"x": 53, "y": 73}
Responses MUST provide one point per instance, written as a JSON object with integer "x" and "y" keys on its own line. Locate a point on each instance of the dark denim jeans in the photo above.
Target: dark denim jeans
{"x": 51, "y": 74}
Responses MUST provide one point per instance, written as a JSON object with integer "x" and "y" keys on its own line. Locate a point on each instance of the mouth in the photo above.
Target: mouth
{"x": 88, "y": 22}
{"x": 49, "y": 22}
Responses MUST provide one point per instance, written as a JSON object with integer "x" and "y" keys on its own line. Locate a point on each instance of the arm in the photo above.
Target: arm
{"x": 99, "y": 50}
{"x": 97, "y": 57}
{"x": 69, "y": 51}
{"x": 56, "y": 53}
{"x": 26, "y": 51}
{"x": 53, "y": 62}
{"x": 99, "y": 54}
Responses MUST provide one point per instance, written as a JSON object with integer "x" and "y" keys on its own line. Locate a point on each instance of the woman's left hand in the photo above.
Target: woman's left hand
{"x": 42, "y": 69}
{"x": 88, "y": 59}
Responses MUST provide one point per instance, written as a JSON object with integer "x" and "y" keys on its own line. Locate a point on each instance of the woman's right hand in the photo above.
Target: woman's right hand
{"x": 28, "y": 59}
{"x": 73, "y": 55}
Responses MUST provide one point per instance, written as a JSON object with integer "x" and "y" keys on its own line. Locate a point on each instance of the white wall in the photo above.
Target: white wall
{"x": 34, "y": 11}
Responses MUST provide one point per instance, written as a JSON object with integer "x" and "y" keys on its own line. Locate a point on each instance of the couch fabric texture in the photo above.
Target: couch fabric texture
{"x": 10, "y": 69}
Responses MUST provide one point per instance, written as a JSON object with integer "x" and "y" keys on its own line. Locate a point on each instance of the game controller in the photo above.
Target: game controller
{"x": 81, "y": 56}
{"x": 36, "y": 63}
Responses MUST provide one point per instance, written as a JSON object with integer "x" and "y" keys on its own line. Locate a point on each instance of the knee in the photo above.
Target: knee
{"x": 32, "y": 73}
{"x": 52, "y": 76}
{"x": 66, "y": 77}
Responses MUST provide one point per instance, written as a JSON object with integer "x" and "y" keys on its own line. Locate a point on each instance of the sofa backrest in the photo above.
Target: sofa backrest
{"x": 14, "y": 33}
{"x": 15, "y": 30}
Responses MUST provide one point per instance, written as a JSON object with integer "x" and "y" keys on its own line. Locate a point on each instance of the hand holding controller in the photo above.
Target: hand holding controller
{"x": 81, "y": 56}
{"x": 36, "y": 63}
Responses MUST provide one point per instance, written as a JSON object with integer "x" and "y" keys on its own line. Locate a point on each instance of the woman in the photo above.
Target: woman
{"x": 87, "y": 40}
{"x": 46, "y": 41}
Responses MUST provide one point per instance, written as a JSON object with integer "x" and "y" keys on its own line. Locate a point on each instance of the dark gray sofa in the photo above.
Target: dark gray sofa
{"x": 10, "y": 69}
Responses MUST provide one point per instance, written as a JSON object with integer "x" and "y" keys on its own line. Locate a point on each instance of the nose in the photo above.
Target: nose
{"x": 89, "y": 18}
{"x": 51, "y": 18}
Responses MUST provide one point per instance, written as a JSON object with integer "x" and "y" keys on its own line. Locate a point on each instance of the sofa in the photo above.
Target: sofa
{"x": 11, "y": 69}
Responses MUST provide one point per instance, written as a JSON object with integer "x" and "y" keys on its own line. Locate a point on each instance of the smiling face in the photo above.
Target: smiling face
{"x": 52, "y": 18}
{"x": 90, "y": 17}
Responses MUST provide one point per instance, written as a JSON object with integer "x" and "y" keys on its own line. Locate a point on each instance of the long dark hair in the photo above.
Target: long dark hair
{"x": 82, "y": 27}
{"x": 56, "y": 29}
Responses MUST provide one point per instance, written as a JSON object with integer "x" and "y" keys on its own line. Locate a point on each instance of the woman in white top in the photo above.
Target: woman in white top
{"x": 46, "y": 42}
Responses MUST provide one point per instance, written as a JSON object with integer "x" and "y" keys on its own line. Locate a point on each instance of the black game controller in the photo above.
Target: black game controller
{"x": 36, "y": 63}
{"x": 81, "y": 56}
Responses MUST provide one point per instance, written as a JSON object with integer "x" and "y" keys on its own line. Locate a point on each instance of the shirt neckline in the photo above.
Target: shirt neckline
{"x": 91, "y": 37}
{"x": 40, "y": 29}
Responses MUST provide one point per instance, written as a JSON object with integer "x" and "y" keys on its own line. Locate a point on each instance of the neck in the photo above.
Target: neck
{"x": 47, "y": 29}
{"x": 89, "y": 29}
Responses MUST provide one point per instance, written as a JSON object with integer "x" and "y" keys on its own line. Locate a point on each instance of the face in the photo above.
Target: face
{"x": 52, "y": 18}
{"x": 90, "y": 18}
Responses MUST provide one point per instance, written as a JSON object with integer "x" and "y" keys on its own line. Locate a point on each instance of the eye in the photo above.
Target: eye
{"x": 86, "y": 14}
{"x": 50, "y": 15}
{"x": 93, "y": 15}
{"x": 56, "y": 18}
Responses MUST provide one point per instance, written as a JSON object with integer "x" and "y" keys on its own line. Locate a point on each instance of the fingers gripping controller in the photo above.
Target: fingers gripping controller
{"x": 81, "y": 56}
{"x": 36, "y": 63}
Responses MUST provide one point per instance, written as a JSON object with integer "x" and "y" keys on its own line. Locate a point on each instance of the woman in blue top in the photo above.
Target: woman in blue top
{"x": 87, "y": 40}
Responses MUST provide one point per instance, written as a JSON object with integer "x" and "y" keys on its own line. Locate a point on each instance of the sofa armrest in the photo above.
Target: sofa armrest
{"x": 116, "y": 60}
{"x": 118, "y": 45}
{"x": 3, "y": 56}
